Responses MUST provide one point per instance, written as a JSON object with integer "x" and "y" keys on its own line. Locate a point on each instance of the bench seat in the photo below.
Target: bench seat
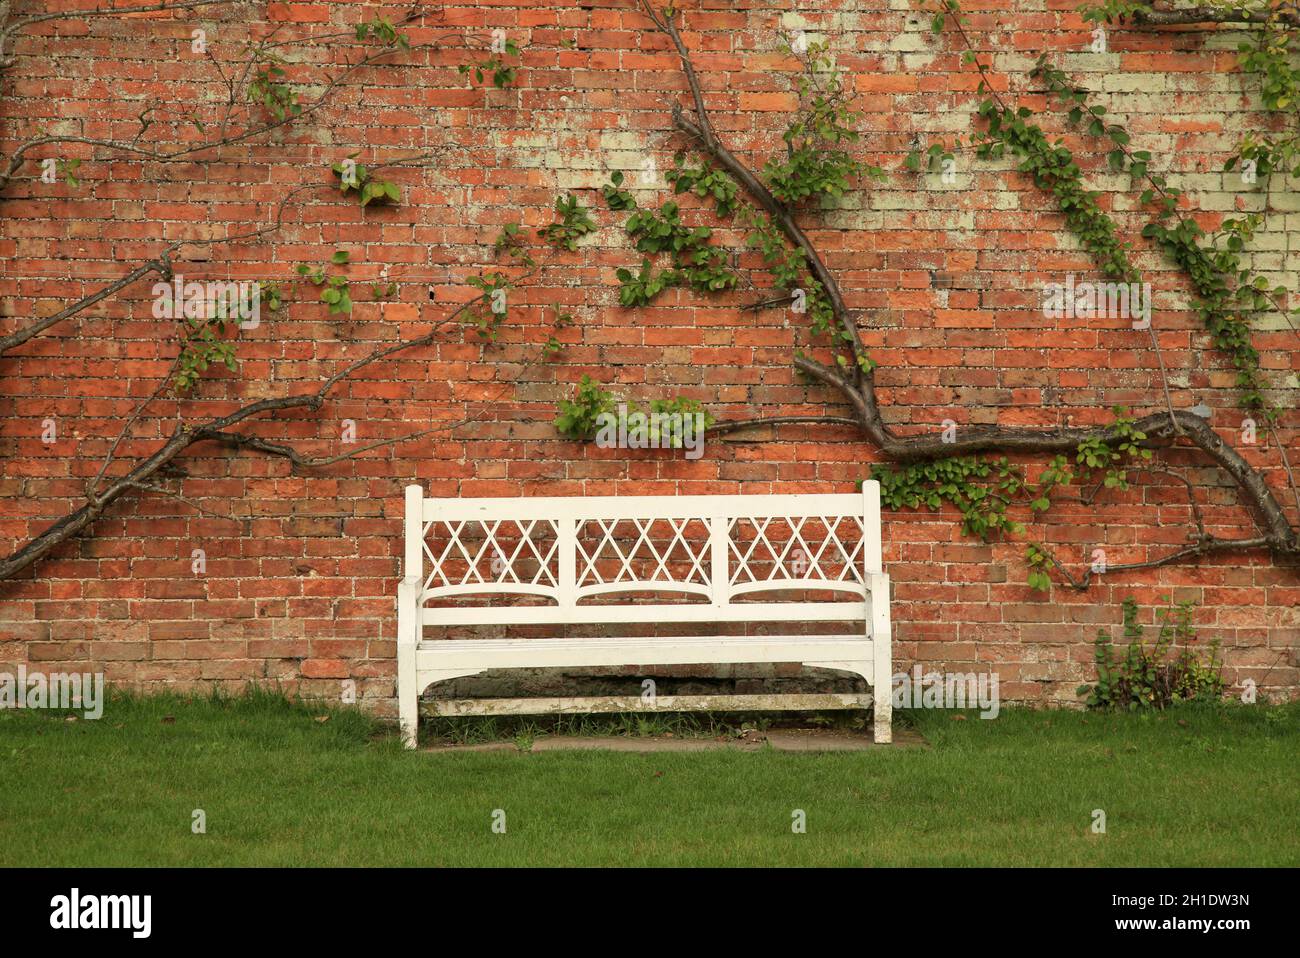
{"x": 482, "y": 654}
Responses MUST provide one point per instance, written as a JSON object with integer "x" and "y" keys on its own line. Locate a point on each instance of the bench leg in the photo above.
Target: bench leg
{"x": 882, "y": 709}
{"x": 880, "y": 632}
{"x": 880, "y": 693}
{"x": 408, "y": 686}
{"x": 882, "y": 688}
{"x": 408, "y": 696}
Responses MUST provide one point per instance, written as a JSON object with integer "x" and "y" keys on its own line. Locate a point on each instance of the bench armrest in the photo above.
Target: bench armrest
{"x": 878, "y": 599}
{"x": 408, "y": 610}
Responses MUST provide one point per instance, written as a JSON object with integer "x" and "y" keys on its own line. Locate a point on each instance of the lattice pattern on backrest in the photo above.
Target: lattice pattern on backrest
{"x": 491, "y": 555}
{"x": 706, "y": 550}
{"x": 669, "y": 552}
{"x": 808, "y": 549}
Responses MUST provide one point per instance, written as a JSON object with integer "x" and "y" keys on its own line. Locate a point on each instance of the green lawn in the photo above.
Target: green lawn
{"x": 1200, "y": 786}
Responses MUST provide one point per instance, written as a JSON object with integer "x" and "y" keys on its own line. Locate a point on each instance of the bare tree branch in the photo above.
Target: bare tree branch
{"x": 186, "y": 153}
{"x": 160, "y": 265}
{"x": 1160, "y": 17}
{"x": 185, "y": 436}
{"x": 9, "y": 30}
{"x": 1205, "y": 545}
{"x": 735, "y": 425}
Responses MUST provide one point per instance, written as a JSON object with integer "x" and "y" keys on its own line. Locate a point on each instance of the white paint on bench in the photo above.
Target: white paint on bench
{"x": 584, "y": 561}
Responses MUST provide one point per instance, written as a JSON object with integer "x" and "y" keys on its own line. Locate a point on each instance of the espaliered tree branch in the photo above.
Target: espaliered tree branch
{"x": 141, "y": 476}
{"x": 702, "y": 133}
{"x": 9, "y": 28}
{"x": 701, "y": 130}
{"x": 1161, "y": 429}
{"x": 145, "y": 474}
{"x": 1226, "y": 13}
{"x": 1160, "y": 192}
{"x": 736, "y": 425}
{"x": 161, "y": 264}
{"x": 1202, "y": 546}
{"x": 221, "y": 429}
{"x": 188, "y": 153}
{"x": 182, "y": 438}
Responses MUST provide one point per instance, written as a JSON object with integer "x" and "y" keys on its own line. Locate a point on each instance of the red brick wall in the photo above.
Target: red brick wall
{"x": 300, "y": 587}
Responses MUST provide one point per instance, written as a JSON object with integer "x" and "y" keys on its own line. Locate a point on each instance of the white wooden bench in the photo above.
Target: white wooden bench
{"x": 583, "y": 561}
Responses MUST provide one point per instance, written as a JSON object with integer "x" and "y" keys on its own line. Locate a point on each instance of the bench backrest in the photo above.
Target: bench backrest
{"x": 593, "y": 559}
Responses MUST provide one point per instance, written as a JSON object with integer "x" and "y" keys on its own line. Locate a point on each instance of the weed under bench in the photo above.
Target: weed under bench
{"x": 592, "y": 561}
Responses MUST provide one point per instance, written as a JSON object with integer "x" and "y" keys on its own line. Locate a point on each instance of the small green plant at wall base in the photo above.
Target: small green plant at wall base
{"x": 578, "y": 417}
{"x": 1146, "y": 678}
{"x": 574, "y": 223}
